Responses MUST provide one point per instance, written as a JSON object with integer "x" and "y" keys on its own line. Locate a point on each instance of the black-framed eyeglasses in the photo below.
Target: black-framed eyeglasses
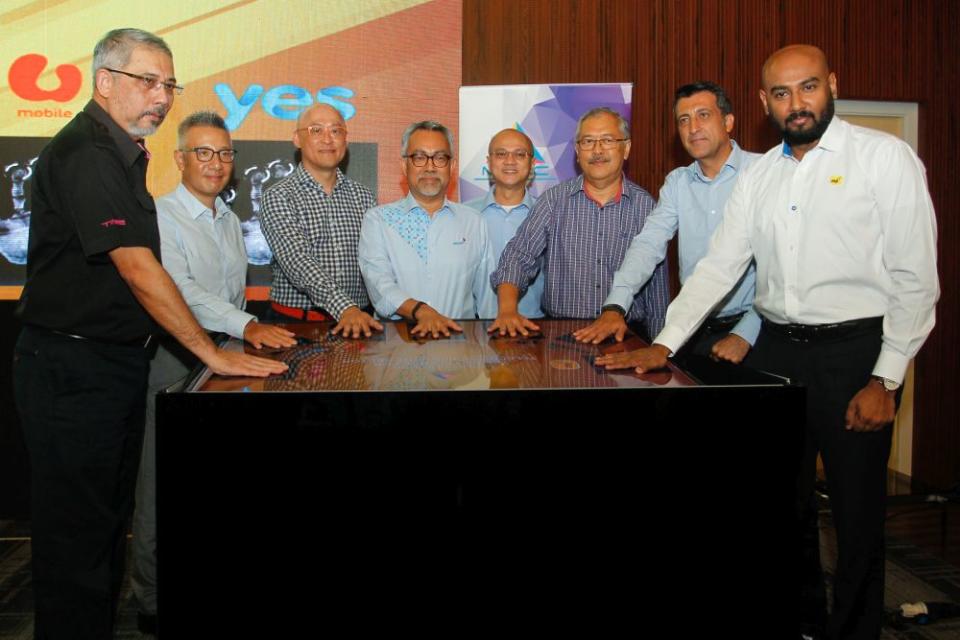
{"x": 316, "y": 130}
{"x": 150, "y": 82}
{"x": 439, "y": 160}
{"x": 605, "y": 143}
{"x": 205, "y": 154}
{"x": 518, "y": 154}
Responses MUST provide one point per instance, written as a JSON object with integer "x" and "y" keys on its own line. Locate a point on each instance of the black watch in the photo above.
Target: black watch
{"x": 614, "y": 307}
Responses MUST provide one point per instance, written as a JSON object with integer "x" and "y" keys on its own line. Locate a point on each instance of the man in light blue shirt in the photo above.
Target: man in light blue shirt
{"x": 508, "y": 203}
{"x": 201, "y": 247}
{"x": 691, "y": 202}
{"x": 425, "y": 258}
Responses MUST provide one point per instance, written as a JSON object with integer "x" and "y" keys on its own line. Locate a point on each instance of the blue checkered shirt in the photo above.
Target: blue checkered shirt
{"x": 314, "y": 239}
{"x": 583, "y": 245}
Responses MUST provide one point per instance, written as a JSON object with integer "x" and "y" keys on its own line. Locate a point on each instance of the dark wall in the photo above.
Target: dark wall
{"x": 902, "y": 50}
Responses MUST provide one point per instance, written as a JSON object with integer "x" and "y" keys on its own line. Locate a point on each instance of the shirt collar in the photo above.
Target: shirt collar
{"x": 194, "y": 207}
{"x": 129, "y": 148}
{"x": 581, "y": 186}
{"x": 490, "y": 200}
{"x": 831, "y": 140}
{"x": 305, "y": 178}
{"x": 410, "y": 203}
{"x": 734, "y": 161}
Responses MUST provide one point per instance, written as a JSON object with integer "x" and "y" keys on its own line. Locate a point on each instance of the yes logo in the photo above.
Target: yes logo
{"x": 26, "y": 70}
{"x": 285, "y": 102}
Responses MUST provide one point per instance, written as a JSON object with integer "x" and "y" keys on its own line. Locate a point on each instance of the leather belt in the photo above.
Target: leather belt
{"x": 818, "y": 332}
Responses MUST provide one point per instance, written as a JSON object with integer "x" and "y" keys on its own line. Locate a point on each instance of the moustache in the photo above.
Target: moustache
{"x": 801, "y": 114}
{"x": 159, "y": 112}
{"x": 597, "y": 157}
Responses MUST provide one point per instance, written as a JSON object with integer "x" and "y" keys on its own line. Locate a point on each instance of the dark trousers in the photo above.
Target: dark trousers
{"x": 81, "y": 405}
{"x": 856, "y": 466}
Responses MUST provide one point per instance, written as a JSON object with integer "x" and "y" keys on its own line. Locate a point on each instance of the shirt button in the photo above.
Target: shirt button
{"x": 793, "y": 208}
{"x": 713, "y": 212}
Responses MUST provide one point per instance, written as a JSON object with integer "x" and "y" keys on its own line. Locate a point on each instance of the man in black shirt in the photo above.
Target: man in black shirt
{"x": 94, "y": 290}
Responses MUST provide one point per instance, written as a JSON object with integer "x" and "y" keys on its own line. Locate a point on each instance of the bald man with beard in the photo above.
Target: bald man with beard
{"x": 843, "y": 231}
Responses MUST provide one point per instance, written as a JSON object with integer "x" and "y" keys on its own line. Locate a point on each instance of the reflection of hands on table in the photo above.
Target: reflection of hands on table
{"x": 646, "y": 359}
{"x": 610, "y": 323}
{"x": 731, "y": 348}
{"x": 354, "y": 323}
{"x": 267, "y": 335}
{"x": 872, "y": 408}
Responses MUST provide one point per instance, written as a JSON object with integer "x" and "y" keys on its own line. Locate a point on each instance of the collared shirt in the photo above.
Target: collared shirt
{"x": 847, "y": 232}
{"x": 443, "y": 260}
{"x": 693, "y": 203}
{"x": 582, "y": 245}
{"x": 314, "y": 237}
{"x": 89, "y": 198}
{"x": 502, "y": 225}
{"x": 205, "y": 256}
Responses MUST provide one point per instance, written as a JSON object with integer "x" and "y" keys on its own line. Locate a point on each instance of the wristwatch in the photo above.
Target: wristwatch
{"x": 888, "y": 384}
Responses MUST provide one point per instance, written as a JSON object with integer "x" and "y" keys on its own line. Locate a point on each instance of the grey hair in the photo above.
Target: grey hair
{"x": 199, "y": 119}
{"x": 596, "y": 111}
{"x": 114, "y": 49}
{"x": 425, "y": 125}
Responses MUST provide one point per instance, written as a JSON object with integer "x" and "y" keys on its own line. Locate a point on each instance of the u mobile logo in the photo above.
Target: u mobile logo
{"x": 23, "y": 78}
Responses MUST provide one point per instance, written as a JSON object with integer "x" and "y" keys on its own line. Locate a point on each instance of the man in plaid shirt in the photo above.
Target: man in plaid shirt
{"x": 311, "y": 220}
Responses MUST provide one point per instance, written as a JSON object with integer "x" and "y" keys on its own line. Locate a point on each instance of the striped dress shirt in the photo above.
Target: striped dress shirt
{"x": 583, "y": 245}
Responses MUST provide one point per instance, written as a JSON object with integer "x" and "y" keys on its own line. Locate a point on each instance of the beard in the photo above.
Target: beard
{"x": 814, "y": 133}
{"x": 138, "y": 131}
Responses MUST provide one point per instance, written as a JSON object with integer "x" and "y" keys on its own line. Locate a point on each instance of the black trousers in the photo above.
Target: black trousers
{"x": 856, "y": 467}
{"x": 81, "y": 405}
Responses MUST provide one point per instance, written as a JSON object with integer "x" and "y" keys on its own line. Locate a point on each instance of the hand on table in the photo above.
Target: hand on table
{"x": 644, "y": 360}
{"x": 512, "y": 322}
{"x": 610, "y": 323}
{"x": 267, "y": 335}
{"x": 354, "y": 322}
{"x": 234, "y": 363}
{"x": 430, "y": 321}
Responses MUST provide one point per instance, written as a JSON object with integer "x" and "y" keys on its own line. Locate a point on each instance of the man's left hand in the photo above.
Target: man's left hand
{"x": 731, "y": 348}
{"x": 871, "y": 409}
{"x": 355, "y": 322}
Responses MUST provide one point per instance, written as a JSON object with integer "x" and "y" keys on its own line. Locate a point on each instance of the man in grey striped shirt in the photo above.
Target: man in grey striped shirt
{"x": 311, "y": 220}
{"x": 581, "y": 228}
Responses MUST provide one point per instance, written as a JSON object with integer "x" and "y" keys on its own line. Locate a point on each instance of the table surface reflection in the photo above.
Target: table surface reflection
{"x": 394, "y": 360}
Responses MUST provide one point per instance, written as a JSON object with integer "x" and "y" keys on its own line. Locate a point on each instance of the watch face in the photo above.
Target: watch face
{"x": 890, "y": 385}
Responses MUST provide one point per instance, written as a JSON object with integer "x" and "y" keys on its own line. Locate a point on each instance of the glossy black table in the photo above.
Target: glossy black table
{"x": 506, "y": 476}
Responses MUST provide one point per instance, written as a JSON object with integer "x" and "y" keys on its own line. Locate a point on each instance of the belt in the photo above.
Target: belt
{"x": 817, "y": 332}
{"x": 309, "y": 315}
{"x": 139, "y": 343}
{"x": 725, "y": 323}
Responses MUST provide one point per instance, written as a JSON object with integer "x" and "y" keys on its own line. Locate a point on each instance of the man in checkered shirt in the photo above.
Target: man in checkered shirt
{"x": 311, "y": 220}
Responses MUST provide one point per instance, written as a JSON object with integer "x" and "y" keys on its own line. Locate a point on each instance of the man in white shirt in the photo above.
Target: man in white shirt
{"x": 202, "y": 249}
{"x": 841, "y": 225}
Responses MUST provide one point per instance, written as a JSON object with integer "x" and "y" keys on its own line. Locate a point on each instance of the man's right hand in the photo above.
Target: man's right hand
{"x": 644, "y": 360}
{"x": 430, "y": 321}
{"x": 512, "y": 322}
{"x": 268, "y": 335}
{"x": 354, "y": 321}
{"x": 234, "y": 363}
{"x": 610, "y": 323}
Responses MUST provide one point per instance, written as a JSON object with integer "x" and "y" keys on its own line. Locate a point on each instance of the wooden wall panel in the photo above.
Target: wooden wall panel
{"x": 903, "y": 50}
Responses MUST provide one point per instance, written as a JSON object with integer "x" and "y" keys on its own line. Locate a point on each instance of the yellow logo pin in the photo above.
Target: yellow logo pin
{"x": 836, "y": 179}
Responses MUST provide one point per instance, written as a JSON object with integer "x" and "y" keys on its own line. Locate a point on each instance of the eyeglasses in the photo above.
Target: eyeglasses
{"x": 439, "y": 160}
{"x": 317, "y": 130}
{"x": 151, "y": 82}
{"x": 605, "y": 143}
{"x": 518, "y": 154}
{"x": 205, "y": 154}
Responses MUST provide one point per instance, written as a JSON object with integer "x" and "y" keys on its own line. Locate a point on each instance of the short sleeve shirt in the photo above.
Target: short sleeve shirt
{"x": 89, "y": 197}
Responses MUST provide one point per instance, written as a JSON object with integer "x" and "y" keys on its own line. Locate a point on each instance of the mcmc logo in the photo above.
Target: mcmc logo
{"x": 25, "y": 72}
